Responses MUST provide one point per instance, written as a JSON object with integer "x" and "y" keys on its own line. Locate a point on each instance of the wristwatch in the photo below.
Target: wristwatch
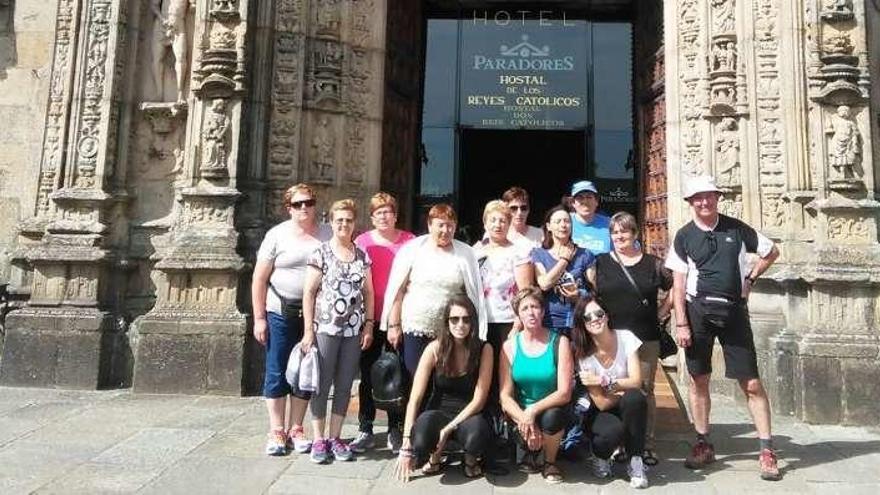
{"x": 751, "y": 279}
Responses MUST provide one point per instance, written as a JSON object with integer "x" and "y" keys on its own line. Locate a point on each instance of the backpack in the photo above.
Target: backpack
{"x": 390, "y": 382}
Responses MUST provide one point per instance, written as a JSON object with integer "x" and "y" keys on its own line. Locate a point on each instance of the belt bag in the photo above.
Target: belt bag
{"x": 717, "y": 310}
{"x": 291, "y": 309}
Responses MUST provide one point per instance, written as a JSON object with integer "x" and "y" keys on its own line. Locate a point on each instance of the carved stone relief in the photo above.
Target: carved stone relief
{"x": 322, "y": 154}
{"x": 851, "y": 230}
{"x": 224, "y": 10}
{"x": 325, "y": 80}
{"x": 837, "y": 10}
{"x": 727, "y": 156}
{"x": 170, "y": 38}
{"x": 356, "y": 151}
{"x": 844, "y": 145}
{"x": 215, "y": 140}
{"x": 328, "y": 14}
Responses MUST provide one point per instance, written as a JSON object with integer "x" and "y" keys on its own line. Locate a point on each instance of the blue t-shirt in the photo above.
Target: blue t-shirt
{"x": 593, "y": 236}
{"x": 559, "y": 312}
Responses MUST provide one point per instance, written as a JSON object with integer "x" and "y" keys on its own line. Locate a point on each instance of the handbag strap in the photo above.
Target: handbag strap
{"x": 630, "y": 278}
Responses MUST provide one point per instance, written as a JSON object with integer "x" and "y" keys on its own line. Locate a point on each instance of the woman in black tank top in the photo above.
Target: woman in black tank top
{"x": 459, "y": 367}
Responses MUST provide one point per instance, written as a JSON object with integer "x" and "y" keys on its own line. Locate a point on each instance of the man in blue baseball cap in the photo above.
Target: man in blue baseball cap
{"x": 589, "y": 229}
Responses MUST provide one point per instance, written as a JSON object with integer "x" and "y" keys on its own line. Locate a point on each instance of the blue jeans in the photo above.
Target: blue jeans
{"x": 283, "y": 335}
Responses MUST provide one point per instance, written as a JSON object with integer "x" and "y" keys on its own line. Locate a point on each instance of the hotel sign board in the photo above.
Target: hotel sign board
{"x": 523, "y": 74}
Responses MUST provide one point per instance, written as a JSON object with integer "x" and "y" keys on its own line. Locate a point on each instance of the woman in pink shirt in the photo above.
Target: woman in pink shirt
{"x": 381, "y": 245}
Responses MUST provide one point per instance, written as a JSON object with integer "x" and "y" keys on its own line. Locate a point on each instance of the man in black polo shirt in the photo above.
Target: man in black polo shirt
{"x": 712, "y": 282}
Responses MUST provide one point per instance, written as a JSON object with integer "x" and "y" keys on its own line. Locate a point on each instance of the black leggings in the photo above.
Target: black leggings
{"x": 550, "y": 422}
{"x": 626, "y": 423}
{"x": 473, "y": 434}
{"x": 367, "y": 408}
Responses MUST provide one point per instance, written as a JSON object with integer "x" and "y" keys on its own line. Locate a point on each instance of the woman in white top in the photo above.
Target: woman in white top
{"x": 427, "y": 272}
{"x": 280, "y": 272}
{"x": 609, "y": 366}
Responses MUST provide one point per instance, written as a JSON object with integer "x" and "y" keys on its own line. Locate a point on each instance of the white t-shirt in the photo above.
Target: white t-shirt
{"x": 627, "y": 343}
{"x": 498, "y": 273}
{"x": 289, "y": 256}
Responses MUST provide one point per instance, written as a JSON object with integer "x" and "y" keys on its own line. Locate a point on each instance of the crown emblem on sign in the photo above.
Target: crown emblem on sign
{"x": 618, "y": 193}
{"x": 525, "y": 49}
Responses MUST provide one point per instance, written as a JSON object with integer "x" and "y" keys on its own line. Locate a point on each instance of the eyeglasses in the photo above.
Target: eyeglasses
{"x": 591, "y": 316}
{"x": 454, "y": 320}
{"x": 713, "y": 244}
{"x": 299, "y": 205}
{"x": 343, "y": 221}
{"x": 522, "y": 208}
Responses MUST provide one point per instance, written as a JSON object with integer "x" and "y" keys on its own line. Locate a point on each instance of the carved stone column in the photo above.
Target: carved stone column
{"x": 65, "y": 336}
{"x": 192, "y": 340}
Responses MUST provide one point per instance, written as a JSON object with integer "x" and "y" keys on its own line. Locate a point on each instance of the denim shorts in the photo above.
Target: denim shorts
{"x": 283, "y": 336}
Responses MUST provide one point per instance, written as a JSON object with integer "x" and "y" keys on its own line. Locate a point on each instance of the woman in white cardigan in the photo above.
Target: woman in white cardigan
{"x": 427, "y": 272}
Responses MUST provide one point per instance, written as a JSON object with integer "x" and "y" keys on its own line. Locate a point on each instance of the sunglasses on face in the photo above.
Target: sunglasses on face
{"x": 591, "y": 316}
{"x": 712, "y": 243}
{"x": 519, "y": 208}
{"x": 454, "y": 320}
{"x": 299, "y": 205}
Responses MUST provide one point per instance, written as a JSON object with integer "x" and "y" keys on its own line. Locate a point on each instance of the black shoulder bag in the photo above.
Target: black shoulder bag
{"x": 668, "y": 346}
{"x": 291, "y": 309}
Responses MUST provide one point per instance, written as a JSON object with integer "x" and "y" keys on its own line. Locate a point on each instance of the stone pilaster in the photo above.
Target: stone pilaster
{"x": 192, "y": 340}
{"x": 65, "y": 336}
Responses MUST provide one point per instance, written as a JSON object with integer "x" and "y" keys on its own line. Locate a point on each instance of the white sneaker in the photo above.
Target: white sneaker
{"x": 638, "y": 478}
{"x": 362, "y": 442}
{"x": 601, "y": 467}
{"x": 395, "y": 438}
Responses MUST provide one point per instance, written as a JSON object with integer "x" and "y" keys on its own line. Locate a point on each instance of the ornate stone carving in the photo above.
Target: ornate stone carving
{"x": 328, "y": 18}
{"x": 169, "y": 34}
{"x": 224, "y": 10}
{"x": 326, "y": 78}
{"x": 837, "y": 10}
{"x": 323, "y": 153}
{"x": 727, "y": 158}
{"x": 694, "y": 94}
{"x": 772, "y": 212}
{"x": 849, "y": 229}
{"x": 724, "y": 56}
{"x": 838, "y": 78}
{"x": 219, "y": 73}
{"x": 356, "y": 159}
{"x": 215, "y": 141}
{"x": 731, "y": 205}
{"x": 844, "y": 145}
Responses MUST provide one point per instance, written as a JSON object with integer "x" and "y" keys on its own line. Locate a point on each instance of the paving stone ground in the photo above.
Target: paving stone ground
{"x": 118, "y": 442}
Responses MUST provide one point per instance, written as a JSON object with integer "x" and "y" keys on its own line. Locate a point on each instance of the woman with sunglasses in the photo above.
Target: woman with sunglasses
{"x": 535, "y": 373}
{"x": 457, "y": 368}
{"x": 381, "y": 244}
{"x": 338, "y": 307}
{"x": 635, "y": 307}
{"x": 280, "y": 272}
{"x": 609, "y": 366}
{"x": 561, "y": 267}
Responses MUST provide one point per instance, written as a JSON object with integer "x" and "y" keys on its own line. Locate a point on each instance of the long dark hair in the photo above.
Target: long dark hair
{"x": 446, "y": 342}
{"x": 548, "y": 237}
{"x": 582, "y": 341}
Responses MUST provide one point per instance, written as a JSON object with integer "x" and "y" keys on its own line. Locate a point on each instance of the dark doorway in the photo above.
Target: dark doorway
{"x": 544, "y": 163}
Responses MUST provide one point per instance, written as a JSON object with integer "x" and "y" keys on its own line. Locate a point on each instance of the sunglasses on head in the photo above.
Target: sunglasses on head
{"x": 591, "y": 316}
{"x": 454, "y": 320}
{"x": 306, "y": 203}
{"x": 519, "y": 208}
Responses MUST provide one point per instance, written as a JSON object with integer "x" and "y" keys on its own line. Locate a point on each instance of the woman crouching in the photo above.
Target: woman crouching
{"x": 460, "y": 366}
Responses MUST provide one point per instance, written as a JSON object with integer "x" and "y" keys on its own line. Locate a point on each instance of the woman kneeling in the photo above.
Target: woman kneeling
{"x": 460, "y": 366}
{"x": 535, "y": 372}
{"x": 609, "y": 366}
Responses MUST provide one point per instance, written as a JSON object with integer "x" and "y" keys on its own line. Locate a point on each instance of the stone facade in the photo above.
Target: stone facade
{"x": 154, "y": 140}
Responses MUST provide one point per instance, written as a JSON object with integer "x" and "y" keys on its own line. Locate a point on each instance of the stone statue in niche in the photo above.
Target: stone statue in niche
{"x": 724, "y": 57}
{"x": 214, "y": 137}
{"x": 727, "y": 147}
{"x": 838, "y": 45}
{"x": 723, "y": 20}
{"x": 169, "y": 35}
{"x": 844, "y": 146}
{"x": 328, "y": 17}
{"x": 323, "y": 147}
{"x": 837, "y": 10}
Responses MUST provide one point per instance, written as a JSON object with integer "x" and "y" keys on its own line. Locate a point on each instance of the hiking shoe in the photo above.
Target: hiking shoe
{"x": 362, "y": 442}
{"x": 340, "y": 450}
{"x": 702, "y": 453}
{"x": 768, "y": 464}
{"x": 297, "y": 441}
{"x": 601, "y": 467}
{"x": 277, "y": 443}
{"x": 395, "y": 439}
{"x": 320, "y": 454}
{"x": 638, "y": 477}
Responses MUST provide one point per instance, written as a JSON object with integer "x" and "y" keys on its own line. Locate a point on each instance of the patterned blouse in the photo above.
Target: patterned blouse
{"x": 339, "y": 305}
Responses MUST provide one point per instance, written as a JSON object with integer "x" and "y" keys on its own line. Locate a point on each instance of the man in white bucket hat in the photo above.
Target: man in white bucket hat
{"x": 710, "y": 293}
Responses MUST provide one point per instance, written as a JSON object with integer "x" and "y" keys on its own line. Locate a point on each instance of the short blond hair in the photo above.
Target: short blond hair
{"x": 497, "y": 206}
{"x": 343, "y": 205}
{"x": 382, "y": 199}
{"x": 298, "y": 188}
{"x": 625, "y": 221}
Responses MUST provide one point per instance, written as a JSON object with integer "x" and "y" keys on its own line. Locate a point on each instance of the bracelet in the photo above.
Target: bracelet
{"x": 369, "y": 320}
{"x": 394, "y": 325}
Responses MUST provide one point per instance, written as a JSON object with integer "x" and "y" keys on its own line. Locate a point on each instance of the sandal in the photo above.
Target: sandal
{"x": 528, "y": 465}
{"x": 473, "y": 470}
{"x": 551, "y": 473}
{"x": 432, "y": 467}
{"x": 649, "y": 457}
